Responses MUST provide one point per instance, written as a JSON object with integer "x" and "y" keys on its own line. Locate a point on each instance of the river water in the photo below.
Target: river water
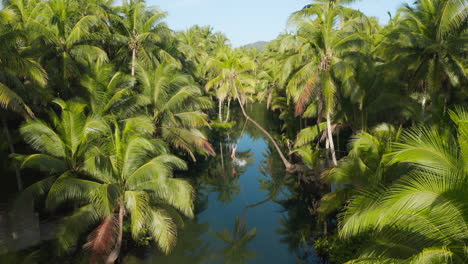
{"x": 245, "y": 214}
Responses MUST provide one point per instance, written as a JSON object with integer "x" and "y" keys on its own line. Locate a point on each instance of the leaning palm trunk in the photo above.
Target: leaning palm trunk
{"x": 19, "y": 181}
{"x": 330, "y": 140}
{"x": 114, "y": 255}
{"x": 287, "y": 164}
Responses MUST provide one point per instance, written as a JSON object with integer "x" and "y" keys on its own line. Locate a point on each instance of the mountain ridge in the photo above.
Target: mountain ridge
{"x": 259, "y": 45}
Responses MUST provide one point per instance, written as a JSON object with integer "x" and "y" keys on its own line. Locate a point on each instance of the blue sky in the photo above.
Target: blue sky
{"x": 247, "y": 21}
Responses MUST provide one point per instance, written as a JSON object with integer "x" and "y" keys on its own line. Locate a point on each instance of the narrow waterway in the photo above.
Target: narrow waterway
{"x": 244, "y": 213}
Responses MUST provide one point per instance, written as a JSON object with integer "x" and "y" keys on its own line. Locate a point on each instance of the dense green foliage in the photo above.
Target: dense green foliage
{"x": 110, "y": 105}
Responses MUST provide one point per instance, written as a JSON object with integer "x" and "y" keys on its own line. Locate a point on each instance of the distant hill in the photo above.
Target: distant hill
{"x": 259, "y": 45}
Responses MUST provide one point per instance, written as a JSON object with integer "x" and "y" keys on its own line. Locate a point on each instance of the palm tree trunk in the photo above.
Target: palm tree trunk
{"x": 287, "y": 164}
{"x": 19, "y": 181}
{"x": 220, "y": 111}
{"x": 423, "y": 106}
{"x": 228, "y": 110}
{"x": 330, "y": 140}
{"x": 114, "y": 255}
{"x": 133, "y": 61}
{"x": 222, "y": 155}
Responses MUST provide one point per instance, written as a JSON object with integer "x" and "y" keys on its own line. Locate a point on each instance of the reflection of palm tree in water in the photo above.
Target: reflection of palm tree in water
{"x": 222, "y": 175}
{"x": 235, "y": 250}
{"x": 274, "y": 181}
{"x": 235, "y": 160}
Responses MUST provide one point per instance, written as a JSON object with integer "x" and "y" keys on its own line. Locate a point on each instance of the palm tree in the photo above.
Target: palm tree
{"x": 233, "y": 81}
{"x": 19, "y": 74}
{"x": 198, "y": 44}
{"x": 365, "y": 167}
{"x": 176, "y": 104}
{"x": 62, "y": 144}
{"x": 17, "y": 66}
{"x": 230, "y": 72}
{"x": 423, "y": 215}
{"x": 139, "y": 32}
{"x": 128, "y": 173}
{"x": 110, "y": 93}
{"x": 68, "y": 40}
{"x": 428, "y": 45}
{"x": 321, "y": 44}
{"x": 125, "y": 172}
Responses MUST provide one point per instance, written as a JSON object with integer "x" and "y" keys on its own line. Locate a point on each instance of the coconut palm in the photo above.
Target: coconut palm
{"x": 325, "y": 34}
{"x": 62, "y": 143}
{"x": 127, "y": 174}
{"x": 176, "y": 106}
{"x": 68, "y": 40}
{"x": 110, "y": 93}
{"x": 423, "y": 215}
{"x": 233, "y": 81}
{"x": 17, "y": 66}
{"x": 198, "y": 44}
{"x": 366, "y": 166}
{"x": 20, "y": 74}
{"x": 428, "y": 44}
{"x": 139, "y": 33}
{"x": 230, "y": 70}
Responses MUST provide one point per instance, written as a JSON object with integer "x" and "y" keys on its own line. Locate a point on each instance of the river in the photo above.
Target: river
{"x": 245, "y": 214}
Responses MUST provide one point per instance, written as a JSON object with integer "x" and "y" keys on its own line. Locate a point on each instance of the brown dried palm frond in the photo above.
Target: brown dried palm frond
{"x": 207, "y": 147}
{"x": 306, "y": 95}
{"x": 102, "y": 239}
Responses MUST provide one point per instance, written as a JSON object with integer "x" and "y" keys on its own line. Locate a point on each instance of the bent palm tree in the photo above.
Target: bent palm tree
{"x": 422, "y": 216}
{"x": 232, "y": 80}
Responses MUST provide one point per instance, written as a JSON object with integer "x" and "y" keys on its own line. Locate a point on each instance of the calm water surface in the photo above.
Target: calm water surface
{"x": 240, "y": 216}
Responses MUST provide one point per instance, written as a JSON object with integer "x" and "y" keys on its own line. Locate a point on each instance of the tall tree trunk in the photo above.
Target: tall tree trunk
{"x": 19, "y": 181}
{"x": 220, "y": 111}
{"x": 222, "y": 156}
{"x": 114, "y": 255}
{"x": 423, "y": 106}
{"x": 228, "y": 110}
{"x": 287, "y": 164}
{"x": 133, "y": 61}
{"x": 330, "y": 139}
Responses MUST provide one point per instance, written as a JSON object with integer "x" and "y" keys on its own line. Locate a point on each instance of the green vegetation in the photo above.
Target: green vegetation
{"x": 107, "y": 114}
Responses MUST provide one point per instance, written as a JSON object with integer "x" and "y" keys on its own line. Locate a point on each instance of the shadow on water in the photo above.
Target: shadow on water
{"x": 245, "y": 214}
